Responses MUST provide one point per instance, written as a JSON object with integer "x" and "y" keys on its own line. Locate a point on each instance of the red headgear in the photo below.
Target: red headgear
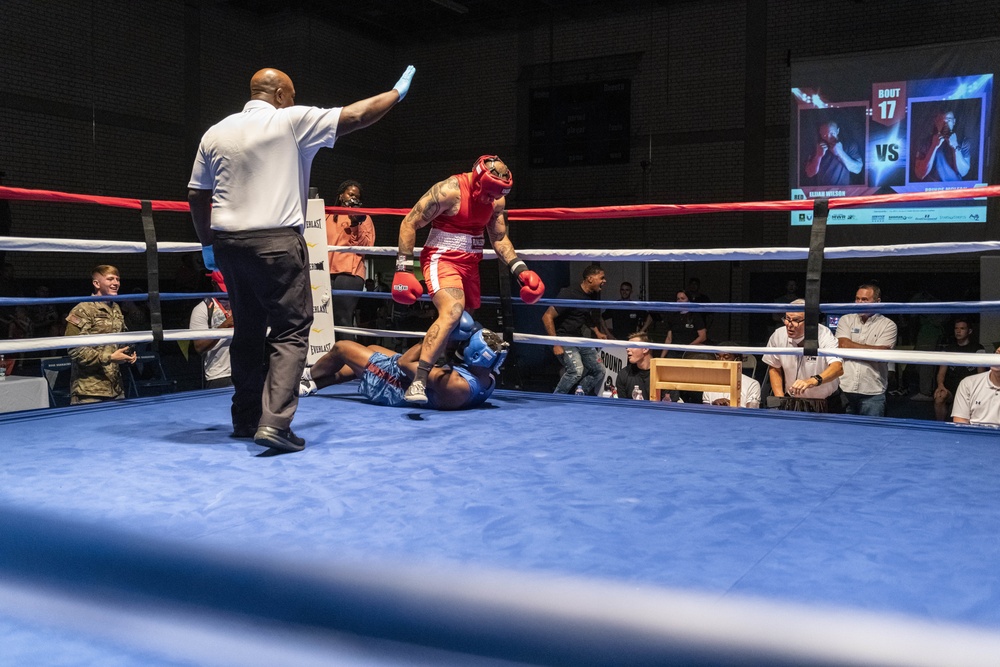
{"x": 485, "y": 180}
{"x": 217, "y": 278}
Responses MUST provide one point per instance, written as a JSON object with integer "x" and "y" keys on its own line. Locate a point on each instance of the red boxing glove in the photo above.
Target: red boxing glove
{"x": 406, "y": 288}
{"x": 532, "y": 287}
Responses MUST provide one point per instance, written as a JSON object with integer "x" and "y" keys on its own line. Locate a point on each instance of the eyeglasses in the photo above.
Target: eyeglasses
{"x": 788, "y": 320}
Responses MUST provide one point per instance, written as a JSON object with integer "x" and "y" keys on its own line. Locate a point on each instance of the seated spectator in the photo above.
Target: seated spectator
{"x": 213, "y": 313}
{"x": 636, "y": 371}
{"x": 749, "y": 388}
{"x": 865, "y": 382}
{"x": 684, "y": 328}
{"x": 977, "y": 398}
{"x": 804, "y": 384}
{"x": 948, "y": 377}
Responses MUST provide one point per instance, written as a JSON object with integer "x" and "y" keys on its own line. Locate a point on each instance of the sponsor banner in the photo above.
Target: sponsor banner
{"x": 321, "y": 336}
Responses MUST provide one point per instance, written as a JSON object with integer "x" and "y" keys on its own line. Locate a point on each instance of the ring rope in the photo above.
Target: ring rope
{"x": 898, "y": 356}
{"x": 37, "y": 244}
{"x": 709, "y": 254}
{"x": 579, "y": 214}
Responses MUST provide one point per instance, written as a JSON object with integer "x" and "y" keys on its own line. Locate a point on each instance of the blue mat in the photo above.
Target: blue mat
{"x": 889, "y": 516}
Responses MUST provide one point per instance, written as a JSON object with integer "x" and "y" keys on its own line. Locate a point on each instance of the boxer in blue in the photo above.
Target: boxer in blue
{"x": 467, "y": 381}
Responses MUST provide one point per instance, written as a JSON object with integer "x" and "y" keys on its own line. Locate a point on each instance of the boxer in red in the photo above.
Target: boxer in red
{"x": 458, "y": 209}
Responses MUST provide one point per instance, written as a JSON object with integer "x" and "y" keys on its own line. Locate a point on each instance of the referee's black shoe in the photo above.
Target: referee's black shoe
{"x": 280, "y": 439}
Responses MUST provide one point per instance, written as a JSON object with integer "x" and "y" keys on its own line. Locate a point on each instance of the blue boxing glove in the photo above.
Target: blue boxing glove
{"x": 466, "y": 327}
{"x": 208, "y": 257}
{"x": 403, "y": 85}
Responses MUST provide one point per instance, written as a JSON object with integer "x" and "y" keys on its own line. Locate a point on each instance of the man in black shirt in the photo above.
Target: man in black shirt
{"x": 948, "y": 377}
{"x": 625, "y": 322}
{"x": 581, "y": 365}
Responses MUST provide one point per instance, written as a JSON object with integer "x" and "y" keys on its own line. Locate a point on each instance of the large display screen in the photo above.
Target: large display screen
{"x": 892, "y": 122}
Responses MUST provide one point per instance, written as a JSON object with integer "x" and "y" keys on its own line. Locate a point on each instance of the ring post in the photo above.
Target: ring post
{"x": 152, "y": 274}
{"x": 814, "y": 273}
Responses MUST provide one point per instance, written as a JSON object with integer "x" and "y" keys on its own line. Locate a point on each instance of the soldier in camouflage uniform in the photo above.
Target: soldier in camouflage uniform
{"x": 96, "y": 375}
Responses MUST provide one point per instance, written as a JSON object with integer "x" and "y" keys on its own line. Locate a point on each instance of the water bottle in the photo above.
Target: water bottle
{"x": 636, "y": 393}
{"x": 3, "y": 369}
{"x": 614, "y": 391}
{"x": 579, "y": 390}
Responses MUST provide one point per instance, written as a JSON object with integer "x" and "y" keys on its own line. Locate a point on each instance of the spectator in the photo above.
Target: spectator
{"x": 804, "y": 384}
{"x": 213, "y": 313}
{"x": 96, "y": 374}
{"x": 977, "y": 399}
{"x": 865, "y": 382}
{"x": 581, "y": 365}
{"x": 684, "y": 328}
{"x": 623, "y": 323}
{"x": 949, "y": 377}
{"x": 347, "y": 269}
{"x": 636, "y": 371}
{"x": 749, "y": 387}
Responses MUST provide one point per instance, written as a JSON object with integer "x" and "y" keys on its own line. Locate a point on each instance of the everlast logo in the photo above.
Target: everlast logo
{"x": 320, "y": 309}
{"x": 314, "y": 224}
{"x": 319, "y": 349}
{"x": 316, "y": 266}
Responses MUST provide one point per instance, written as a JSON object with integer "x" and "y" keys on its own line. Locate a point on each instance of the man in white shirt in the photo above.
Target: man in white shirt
{"x": 248, "y": 198}
{"x": 865, "y": 382}
{"x": 213, "y": 313}
{"x": 806, "y": 383}
{"x": 749, "y": 387}
{"x": 977, "y": 400}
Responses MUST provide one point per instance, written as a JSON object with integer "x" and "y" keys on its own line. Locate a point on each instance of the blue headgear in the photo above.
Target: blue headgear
{"x": 479, "y": 353}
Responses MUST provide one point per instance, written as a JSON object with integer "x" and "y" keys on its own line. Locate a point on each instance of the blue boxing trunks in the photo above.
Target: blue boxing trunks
{"x": 383, "y": 382}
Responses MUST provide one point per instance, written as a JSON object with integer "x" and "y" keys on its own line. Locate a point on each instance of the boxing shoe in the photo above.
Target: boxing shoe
{"x": 307, "y": 388}
{"x": 416, "y": 393}
{"x": 281, "y": 439}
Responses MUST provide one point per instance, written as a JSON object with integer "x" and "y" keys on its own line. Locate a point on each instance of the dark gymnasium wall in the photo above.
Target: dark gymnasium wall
{"x": 111, "y": 96}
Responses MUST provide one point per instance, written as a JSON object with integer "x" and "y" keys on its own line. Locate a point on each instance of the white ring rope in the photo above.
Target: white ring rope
{"x": 897, "y": 356}
{"x": 720, "y": 254}
{"x": 25, "y": 244}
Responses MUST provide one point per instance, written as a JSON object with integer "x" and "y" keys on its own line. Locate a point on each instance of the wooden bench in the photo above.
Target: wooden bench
{"x": 695, "y": 375}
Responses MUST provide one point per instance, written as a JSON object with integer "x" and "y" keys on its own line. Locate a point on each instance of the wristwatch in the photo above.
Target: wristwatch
{"x": 819, "y": 379}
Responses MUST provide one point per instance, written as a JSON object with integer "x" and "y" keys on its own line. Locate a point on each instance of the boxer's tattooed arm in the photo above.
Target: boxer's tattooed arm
{"x": 497, "y": 229}
{"x": 436, "y": 201}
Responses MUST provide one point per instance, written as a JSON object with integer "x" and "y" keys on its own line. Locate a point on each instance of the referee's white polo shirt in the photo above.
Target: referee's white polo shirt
{"x": 257, "y": 164}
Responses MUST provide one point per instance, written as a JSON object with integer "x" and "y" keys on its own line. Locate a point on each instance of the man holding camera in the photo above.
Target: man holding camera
{"x": 347, "y": 269}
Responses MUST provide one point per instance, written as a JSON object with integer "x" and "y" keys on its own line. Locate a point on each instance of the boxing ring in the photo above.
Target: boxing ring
{"x": 540, "y": 529}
